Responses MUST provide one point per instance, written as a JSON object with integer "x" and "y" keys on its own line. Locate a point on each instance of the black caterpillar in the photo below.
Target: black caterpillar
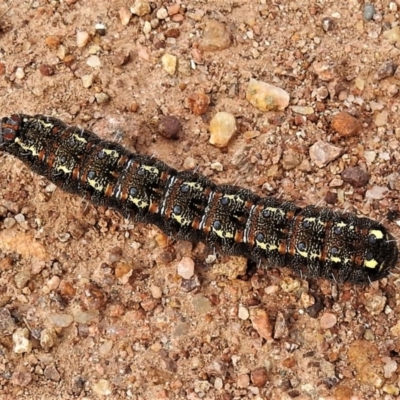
{"x": 315, "y": 242}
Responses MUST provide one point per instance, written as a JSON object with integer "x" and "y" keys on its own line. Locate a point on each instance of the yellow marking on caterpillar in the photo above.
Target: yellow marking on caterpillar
{"x": 274, "y": 210}
{"x": 302, "y": 253}
{"x": 151, "y": 169}
{"x": 336, "y": 259}
{"x": 45, "y": 124}
{"x": 371, "y": 263}
{"x": 233, "y": 197}
{"x": 194, "y": 185}
{"x": 79, "y": 138}
{"x": 32, "y": 149}
{"x": 95, "y": 184}
{"x": 112, "y": 153}
{"x": 138, "y": 202}
{"x": 64, "y": 169}
{"x": 222, "y": 234}
{"x": 378, "y": 234}
{"x": 182, "y": 221}
{"x": 341, "y": 225}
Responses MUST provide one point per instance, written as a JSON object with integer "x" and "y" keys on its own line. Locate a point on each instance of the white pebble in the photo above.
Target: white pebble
{"x": 222, "y": 128}
{"x": 376, "y": 193}
{"x": 82, "y": 38}
{"x": 169, "y": 62}
{"x": 146, "y": 27}
{"x": 243, "y": 313}
{"x": 19, "y": 73}
{"x": 162, "y": 13}
{"x": 185, "y": 268}
{"x": 102, "y": 388}
{"x": 266, "y": 97}
{"x": 141, "y": 8}
{"x": 87, "y": 81}
{"x": 53, "y": 282}
{"x": 93, "y": 61}
{"x": 124, "y": 15}
{"x": 21, "y": 342}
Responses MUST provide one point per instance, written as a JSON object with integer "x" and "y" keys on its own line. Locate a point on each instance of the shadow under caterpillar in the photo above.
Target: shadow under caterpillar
{"x": 313, "y": 241}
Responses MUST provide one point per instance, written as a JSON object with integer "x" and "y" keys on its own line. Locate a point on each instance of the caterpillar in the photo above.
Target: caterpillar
{"x": 313, "y": 241}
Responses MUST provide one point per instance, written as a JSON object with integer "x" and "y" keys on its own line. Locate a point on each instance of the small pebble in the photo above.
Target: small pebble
{"x": 8, "y": 222}
{"x": 146, "y": 27}
{"x": 390, "y": 389}
{"x": 280, "y": 329}
{"x": 156, "y": 291}
{"x": 21, "y": 378}
{"x": 243, "y": 381}
{"x": 7, "y": 323}
{"x": 376, "y": 193}
{"x": 189, "y": 163}
{"x": 303, "y": 110}
{"x": 141, "y": 8}
{"x": 82, "y": 38}
{"x": 51, "y": 373}
{"x": 218, "y": 383}
{"x": 102, "y": 388}
{"x": 375, "y": 304}
{"x": 392, "y": 35}
{"x": 381, "y": 118}
{"x": 22, "y": 278}
{"x": 173, "y": 9}
{"x": 53, "y": 41}
{"x": 21, "y": 341}
{"x": 124, "y": 15}
{"x": 201, "y": 304}
{"x": 60, "y": 320}
{"x": 170, "y": 127}
{"x": 346, "y": 125}
{"x": 389, "y": 368}
{"x": 53, "y": 282}
{"x": 259, "y": 376}
{"x": 356, "y": 176}
{"x": 185, "y": 268}
{"x": 266, "y": 97}
{"x": 19, "y": 73}
{"x": 106, "y": 347}
{"x": 198, "y": 103}
{"x": 395, "y": 330}
{"x": 46, "y": 70}
{"x": 261, "y": 323}
{"x": 162, "y": 13}
{"x": 328, "y": 24}
{"x": 47, "y": 338}
{"x": 169, "y": 63}
{"x": 394, "y": 181}
{"x": 217, "y": 166}
{"x": 93, "y": 61}
{"x": 222, "y": 128}
{"x": 87, "y": 81}
{"x": 215, "y": 36}
{"x": 243, "y": 313}
{"x": 386, "y": 70}
{"x": 322, "y": 153}
{"x": 328, "y": 321}
{"x": 324, "y": 70}
{"x": 84, "y": 317}
{"x": 369, "y": 12}
{"x": 102, "y": 98}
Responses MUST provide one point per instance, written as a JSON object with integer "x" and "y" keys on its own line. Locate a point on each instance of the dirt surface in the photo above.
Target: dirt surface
{"x": 93, "y": 305}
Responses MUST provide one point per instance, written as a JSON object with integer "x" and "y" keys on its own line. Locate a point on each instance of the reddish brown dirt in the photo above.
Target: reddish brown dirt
{"x": 135, "y": 325}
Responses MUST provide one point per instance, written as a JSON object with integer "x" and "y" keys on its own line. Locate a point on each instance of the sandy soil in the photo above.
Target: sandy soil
{"x": 95, "y": 302}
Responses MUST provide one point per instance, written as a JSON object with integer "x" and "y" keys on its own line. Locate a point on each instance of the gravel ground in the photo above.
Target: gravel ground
{"x": 92, "y": 305}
